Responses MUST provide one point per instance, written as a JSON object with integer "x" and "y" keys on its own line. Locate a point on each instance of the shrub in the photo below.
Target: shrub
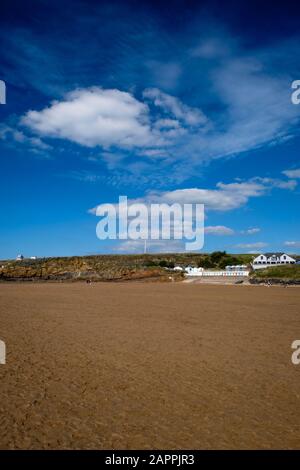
{"x": 216, "y": 256}
{"x": 228, "y": 261}
{"x": 206, "y": 263}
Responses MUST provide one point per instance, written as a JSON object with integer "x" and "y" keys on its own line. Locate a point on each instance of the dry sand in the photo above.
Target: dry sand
{"x": 149, "y": 366}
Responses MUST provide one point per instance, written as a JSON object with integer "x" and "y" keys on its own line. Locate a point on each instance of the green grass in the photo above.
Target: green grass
{"x": 283, "y": 272}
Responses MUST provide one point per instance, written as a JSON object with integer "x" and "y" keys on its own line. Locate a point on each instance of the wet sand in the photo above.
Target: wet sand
{"x": 166, "y": 366}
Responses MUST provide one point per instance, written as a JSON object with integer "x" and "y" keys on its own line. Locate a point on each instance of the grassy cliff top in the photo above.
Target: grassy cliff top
{"x": 291, "y": 271}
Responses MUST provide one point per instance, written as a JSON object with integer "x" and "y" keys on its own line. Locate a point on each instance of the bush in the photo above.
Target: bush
{"x": 150, "y": 262}
{"x": 216, "y": 256}
{"x": 163, "y": 263}
{"x": 206, "y": 263}
{"x": 166, "y": 264}
{"x": 228, "y": 261}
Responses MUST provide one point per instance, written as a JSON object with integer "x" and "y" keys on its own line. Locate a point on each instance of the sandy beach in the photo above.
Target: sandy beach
{"x": 149, "y": 365}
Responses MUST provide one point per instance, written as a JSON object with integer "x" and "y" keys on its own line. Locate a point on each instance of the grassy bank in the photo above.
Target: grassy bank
{"x": 289, "y": 272}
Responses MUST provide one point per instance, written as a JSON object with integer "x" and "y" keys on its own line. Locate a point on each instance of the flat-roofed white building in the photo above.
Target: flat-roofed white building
{"x": 191, "y": 271}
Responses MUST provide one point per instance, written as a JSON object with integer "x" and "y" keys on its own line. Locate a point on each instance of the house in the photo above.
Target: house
{"x": 192, "y": 271}
{"x": 271, "y": 259}
{"x": 19, "y": 258}
{"x": 177, "y": 268}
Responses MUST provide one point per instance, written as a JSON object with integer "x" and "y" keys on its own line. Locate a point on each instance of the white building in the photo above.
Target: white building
{"x": 191, "y": 271}
{"x": 19, "y": 258}
{"x": 237, "y": 267}
{"x": 272, "y": 259}
{"x": 177, "y": 268}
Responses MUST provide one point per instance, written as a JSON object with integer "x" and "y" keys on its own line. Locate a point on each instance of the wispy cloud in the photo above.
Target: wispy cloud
{"x": 252, "y": 246}
{"x": 218, "y": 230}
{"x": 249, "y": 107}
{"x": 278, "y": 183}
{"x": 294, "y": 244}
{"x": 250, "y": 231}
{"x": 15, "y": 136}
{"x": 292, "y": 173}
{"x": 174, "y": 107}
{"x": 85, "y": 176}
{"x": 224, "y": 197}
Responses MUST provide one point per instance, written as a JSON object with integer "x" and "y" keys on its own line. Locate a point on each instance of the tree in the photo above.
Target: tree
{"x": 228, "y": 260}
{"x": 216, "y": 256}
{"x": 206, "y": 263}
{"x": 163, "y": 263}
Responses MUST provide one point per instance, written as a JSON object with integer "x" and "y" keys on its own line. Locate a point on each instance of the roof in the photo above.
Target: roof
{"x": 268, "y": 255}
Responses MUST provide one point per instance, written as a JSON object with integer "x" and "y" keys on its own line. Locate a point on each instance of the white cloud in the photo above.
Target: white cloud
{"x": 277, "y": 183}
{"x": 12, "y": 134}
{"x": 254, "y": 113}
{"x": 244, "y": 93}
{"x": 154, "y": 153}
{"x": 292, "y": 173}
{"x": 171, "y": 104}
{"x": 218, "y": 230}
{"x": 252, "y": 246}
{"x": 86, "y": 176}
{"x": 258, "y": 104}
{"x": 167, "y": 124}
{"x": 225, "y": 197}
{"x": 251, "y": 231}
{"x": 165, "y": 74}
{"x": 295, "y": 244}
{"x": 211, "y": 48}
{"x": 94, "y": 116}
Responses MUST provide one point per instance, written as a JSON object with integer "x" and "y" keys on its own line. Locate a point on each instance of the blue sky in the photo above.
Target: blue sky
{"x": 189, "y": 103}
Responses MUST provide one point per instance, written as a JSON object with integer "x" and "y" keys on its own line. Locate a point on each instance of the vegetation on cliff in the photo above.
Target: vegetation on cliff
{"x": 289, "y": 271}
{"x": 113, "y": 267}
{"x": 127, "y": 267}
